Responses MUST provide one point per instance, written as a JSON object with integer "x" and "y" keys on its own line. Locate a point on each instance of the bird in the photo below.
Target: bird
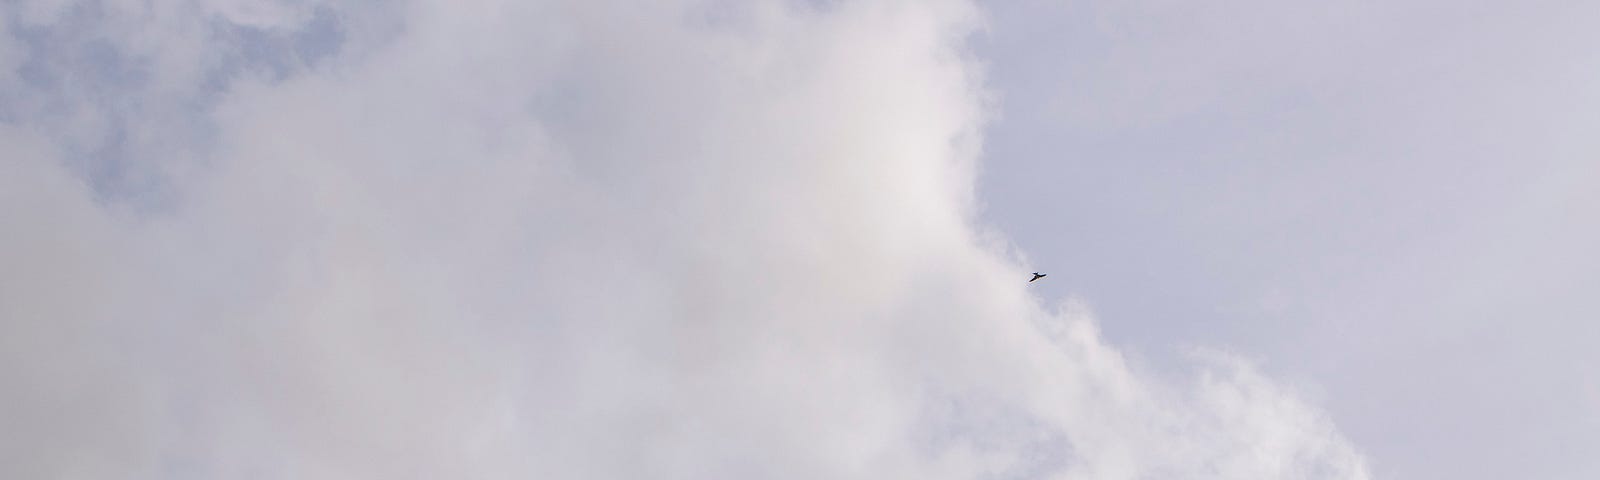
{"x": 1036, "y": 276}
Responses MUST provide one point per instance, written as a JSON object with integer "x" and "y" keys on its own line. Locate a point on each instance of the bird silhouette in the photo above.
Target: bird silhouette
{"x": 1036, "y": 276}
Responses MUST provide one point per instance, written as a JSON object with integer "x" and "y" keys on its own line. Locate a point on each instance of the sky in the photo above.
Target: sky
{"x": 791, "y": 239}
{"x": 1393, "y": 204}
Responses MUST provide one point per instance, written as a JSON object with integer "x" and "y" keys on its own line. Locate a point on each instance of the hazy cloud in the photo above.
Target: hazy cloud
{"x": 550, "y": 239}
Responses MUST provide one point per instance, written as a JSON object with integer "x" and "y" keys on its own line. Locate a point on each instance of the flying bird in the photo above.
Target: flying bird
{"x": 1036, "y": 276}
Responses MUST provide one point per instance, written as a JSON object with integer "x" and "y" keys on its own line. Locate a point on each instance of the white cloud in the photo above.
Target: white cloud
{"x": 539, "y": 239}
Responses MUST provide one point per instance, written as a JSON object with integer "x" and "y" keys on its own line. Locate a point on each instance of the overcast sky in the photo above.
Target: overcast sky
{"x": 1394, "y": 202}
{"x": 783, "y": 239}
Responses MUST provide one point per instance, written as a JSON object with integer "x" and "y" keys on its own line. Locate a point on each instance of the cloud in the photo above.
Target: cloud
{"x": 547, "y": 239}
